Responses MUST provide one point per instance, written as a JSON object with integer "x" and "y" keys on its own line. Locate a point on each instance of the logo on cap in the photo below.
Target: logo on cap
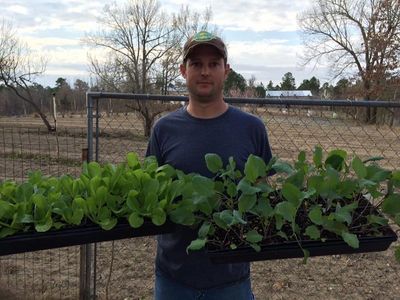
{"x": 203, "y": 36}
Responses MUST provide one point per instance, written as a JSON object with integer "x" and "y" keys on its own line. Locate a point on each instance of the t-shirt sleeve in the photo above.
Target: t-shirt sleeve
{"x": 153, "y": 147}
{"x": 265, "y": 151}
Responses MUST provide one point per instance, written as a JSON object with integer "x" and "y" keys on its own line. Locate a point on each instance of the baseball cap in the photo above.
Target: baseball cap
{"x": 204, "y": 38}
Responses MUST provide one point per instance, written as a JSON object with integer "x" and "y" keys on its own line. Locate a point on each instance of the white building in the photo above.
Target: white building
{"x": 293, "y": 93}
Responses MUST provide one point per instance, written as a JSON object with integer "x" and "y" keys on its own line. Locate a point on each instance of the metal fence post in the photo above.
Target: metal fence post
{"x": 87, "y": 278}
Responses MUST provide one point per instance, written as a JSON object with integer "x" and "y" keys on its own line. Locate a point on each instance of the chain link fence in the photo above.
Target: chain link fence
{"x": 25, "y": 146}
{"x": 124, "y": 269}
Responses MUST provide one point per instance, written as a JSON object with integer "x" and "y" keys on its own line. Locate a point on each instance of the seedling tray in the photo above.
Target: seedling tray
{"x": 85, "y": 234}
{"x": 292, "y": 249}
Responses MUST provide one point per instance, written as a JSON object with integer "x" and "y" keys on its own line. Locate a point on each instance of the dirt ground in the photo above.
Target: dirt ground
{"x": 54, "y": 274}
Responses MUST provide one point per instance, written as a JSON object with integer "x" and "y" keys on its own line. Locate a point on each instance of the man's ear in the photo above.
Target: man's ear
{"x": 182, "y": 68}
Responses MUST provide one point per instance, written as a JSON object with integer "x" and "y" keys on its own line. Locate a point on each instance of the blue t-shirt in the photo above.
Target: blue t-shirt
{"x": 182, "y": 141}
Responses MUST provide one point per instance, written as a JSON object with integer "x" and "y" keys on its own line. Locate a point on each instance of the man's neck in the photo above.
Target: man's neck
{"x": 207, "y": 110}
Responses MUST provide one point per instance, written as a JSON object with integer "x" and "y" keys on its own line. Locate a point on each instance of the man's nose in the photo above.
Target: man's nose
{"x": 205, "y": 70}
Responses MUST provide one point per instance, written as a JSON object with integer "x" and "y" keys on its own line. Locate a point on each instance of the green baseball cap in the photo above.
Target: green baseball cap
{"x": 204, "y": 38}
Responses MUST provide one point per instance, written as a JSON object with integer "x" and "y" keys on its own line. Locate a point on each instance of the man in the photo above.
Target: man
{"x": 182, "y": 138}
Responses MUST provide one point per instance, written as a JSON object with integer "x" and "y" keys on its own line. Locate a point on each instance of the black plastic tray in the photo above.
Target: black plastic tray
{"x": 292, "y": 249}
{"x": 85, "y": 234}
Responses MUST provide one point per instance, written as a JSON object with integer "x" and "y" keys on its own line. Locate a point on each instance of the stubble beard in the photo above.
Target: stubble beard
{"x": 204, "y": 97}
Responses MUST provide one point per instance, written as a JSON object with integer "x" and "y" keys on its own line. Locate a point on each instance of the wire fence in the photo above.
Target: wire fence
{"x": 124, "y": 269}
{"x": 26, "y": 146}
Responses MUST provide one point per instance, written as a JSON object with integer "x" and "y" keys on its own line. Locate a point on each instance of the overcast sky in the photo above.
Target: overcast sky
{"x": 262, "y": 35}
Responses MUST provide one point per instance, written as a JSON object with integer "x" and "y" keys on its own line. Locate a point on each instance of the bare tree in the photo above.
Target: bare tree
{"x": 143, "y": 47}
{"x": 360, "y": 35}
{"x": 136, "y": 36}
{"x": 18, "y": 68}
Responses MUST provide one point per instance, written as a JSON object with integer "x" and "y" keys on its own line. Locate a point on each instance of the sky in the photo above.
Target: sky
{"x": 262, "y": 36}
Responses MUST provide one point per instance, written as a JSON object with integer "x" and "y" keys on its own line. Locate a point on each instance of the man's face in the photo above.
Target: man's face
{"x": 205, "y": 72}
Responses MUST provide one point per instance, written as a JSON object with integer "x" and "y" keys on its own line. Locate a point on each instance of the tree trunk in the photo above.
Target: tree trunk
{"x": 35, "y": 107}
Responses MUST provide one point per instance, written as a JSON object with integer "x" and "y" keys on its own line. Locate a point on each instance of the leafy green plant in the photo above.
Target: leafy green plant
{"x": 102, "y": 194}
{"x": 333, "y": 196}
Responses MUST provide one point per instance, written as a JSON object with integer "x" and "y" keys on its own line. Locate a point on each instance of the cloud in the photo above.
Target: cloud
{"x": 261, "y": 35}
{"x": 18, "y": 9}
{"x": 254, "y": 15}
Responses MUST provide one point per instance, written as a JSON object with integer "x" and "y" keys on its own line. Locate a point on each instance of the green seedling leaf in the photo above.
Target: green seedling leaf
{"x": 343, "y": 215}
{"x": 44, "y": 225}
{"x": 213, "y": 162}
{"x": 336, "y": 159}
{"x": 254, "y": 168}
{"x": 231, "y": 189}
{"x": 94, "y": 169}
{"x": 264, "y": 208}
{"x": 347, "y": 188}
{"x": 359, "y": 167}
{"x": 377, "y": 174}
{"x": 6, "y": 210}
{"x": 168, "y": 170}
{"x": 373, "y": 219}
{"x": 196, "y": 245}
{"x": 301, "y": 157}
{"x": 287, "y": 210}
{"x": 315, "y": 215}
{"x": 133, "y": 160}
{"x": 246, "y": 202}
{"x": 282, "y": 235}
{"x": 203, "y": 185}
{"x": 76, "y": 217}
{"x": 158, "y": 216}
{"x": 256, "y": 247}
{"x": 313, "y": 232}
{"x": 253, "y": 236}
{"x": 150, "y": 164}
{"x": 135, "y": 220}
{"x": 150, "y": 202}
{"x": 291, "y": 193}
{"x": 246, "y": 188}
{"x": 237, "y": 215}
{"x": 315, "y": 182}
{"x": 108, "y": 224}
{"x": 391, "y": 205}
{"x": 351, "y": 239}
{"x": 227, "y": 217}
{"x": 182, "y": 216}
{"x": 282, "y": 167}
{"x": 35, "y": 178}
{"x": 24, "y": 193}
{"x": 297, "y": 179}
{"x": 317, "y": 157}
{"x": 396, "y": 178}
{"x": 204, "y": 230}
{"x": 150, "y": 185}
{"x": 7, "y": 231}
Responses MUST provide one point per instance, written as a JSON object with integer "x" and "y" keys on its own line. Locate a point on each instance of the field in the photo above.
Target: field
{"x": 125, "y": 268}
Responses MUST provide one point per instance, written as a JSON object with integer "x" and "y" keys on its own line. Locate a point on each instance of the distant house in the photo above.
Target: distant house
{"x": 177, "y": 90}
{"x": 293, "y": 93}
